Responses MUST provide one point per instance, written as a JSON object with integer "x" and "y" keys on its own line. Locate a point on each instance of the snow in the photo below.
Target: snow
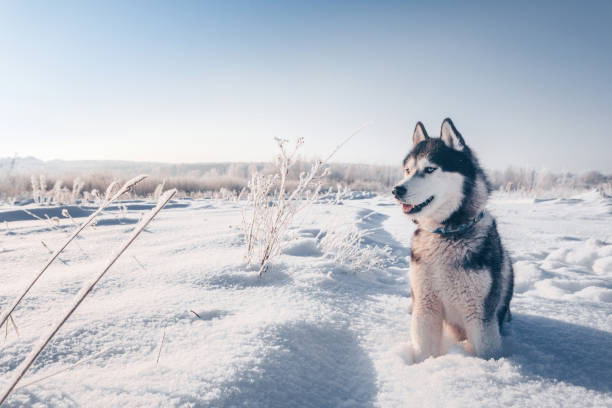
{"x": 303, "y": 247}
{"x": 310, "y": 332}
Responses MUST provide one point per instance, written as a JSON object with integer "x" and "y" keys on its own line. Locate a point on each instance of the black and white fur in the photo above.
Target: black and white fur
{"x": 462, "y": 281}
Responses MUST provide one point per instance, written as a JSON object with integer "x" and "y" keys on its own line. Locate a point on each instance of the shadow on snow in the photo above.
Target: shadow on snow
{"x": 561, "y": 351}
{"x": 306, "y": 365}
{"x": 76, "y": 211}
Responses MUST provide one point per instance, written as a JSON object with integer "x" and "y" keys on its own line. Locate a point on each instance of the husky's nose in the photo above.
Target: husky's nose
{"x": 398, "y": 191}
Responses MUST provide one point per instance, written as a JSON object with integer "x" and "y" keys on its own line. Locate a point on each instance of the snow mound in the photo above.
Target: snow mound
{"x": 582, "y": 255}
{"x": 302, "y": 247}
{"x": 603, "y": 266}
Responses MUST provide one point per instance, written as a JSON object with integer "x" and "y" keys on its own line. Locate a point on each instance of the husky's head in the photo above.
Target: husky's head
{"x": 443, "y": 182}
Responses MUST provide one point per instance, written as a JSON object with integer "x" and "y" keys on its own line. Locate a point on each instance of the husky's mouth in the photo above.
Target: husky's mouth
{"x": 413, "y": 209}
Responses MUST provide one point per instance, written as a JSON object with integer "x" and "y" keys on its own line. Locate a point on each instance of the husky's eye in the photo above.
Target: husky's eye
{"x": 429, "y": 170}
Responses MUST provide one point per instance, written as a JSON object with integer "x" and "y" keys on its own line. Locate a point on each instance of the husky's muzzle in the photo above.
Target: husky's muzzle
{"x": 398, "y": 191}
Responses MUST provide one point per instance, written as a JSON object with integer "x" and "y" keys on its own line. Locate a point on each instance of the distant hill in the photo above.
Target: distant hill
{"x": 117, "y": 167}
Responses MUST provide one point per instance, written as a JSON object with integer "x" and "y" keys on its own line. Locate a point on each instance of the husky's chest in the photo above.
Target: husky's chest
{"x": 440, "y": 266}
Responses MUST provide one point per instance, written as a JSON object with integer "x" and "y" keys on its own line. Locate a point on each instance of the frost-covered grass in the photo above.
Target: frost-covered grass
{"x": 67, "y": 181}
{"x": 311, "y": 331}
{"x": 271, "y": 205}
{"x": 86, "y": 290}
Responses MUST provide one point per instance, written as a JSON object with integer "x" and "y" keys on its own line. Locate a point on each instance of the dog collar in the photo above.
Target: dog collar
{"x": 452, "y": 229}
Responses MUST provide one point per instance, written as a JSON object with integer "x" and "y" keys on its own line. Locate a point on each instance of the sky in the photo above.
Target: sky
{"x": 526, "y": 83}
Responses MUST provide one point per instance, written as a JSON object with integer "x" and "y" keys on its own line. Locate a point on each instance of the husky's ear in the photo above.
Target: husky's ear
{"x": 450, "y": 136}
{"x": 420, "y": 134}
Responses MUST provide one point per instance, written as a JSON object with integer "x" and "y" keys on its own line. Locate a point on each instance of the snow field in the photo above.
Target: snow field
{"x": 311, "y": 332}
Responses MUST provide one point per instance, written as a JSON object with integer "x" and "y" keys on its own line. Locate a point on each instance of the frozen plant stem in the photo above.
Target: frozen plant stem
{"x": 21, "y": 370}
{"x": 45, "y": 220}
{"x": 66, "y": 214}
{"x": 51, "y": 252}
{"x": 345, "y": 141}
{"x": 139, "y": 264}
{"x": 78, "y": 363}
{"x": 126, "y": 187}
{"x": 160, "y": 347}
{"x": 14, "y": 326}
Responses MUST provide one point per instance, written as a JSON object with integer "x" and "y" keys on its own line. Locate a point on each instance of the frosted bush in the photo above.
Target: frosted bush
{"x": 272, "y": 204}
{"x": 345, "y": 245}
{"x": 225, "y": 194}
{"x": 61, "y": 194}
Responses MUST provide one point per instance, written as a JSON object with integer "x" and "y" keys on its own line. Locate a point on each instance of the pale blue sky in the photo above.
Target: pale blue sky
{"x": 527, "y": 83}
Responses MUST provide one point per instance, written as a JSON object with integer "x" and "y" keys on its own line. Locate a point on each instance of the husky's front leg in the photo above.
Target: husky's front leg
{"x": 484, "y": 337}
{"x": 426, "y": 328}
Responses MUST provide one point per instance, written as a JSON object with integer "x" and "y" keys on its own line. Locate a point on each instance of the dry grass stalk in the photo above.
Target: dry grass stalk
{"x": 51, "y": 252}
{"x": 139, "y": 264}
{"x": 14, "y": 326}
{"x": 66, "y": 214}
{"x": 126, "y": 187}
{"x": 45, "y": 220}
{"x": 158, "y": 190}
{"x": 53, "y": 374}
{"x": 160, "y": 347}
{"x": 23, "y": 367}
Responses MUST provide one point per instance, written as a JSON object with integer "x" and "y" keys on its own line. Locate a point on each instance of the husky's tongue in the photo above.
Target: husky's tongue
{"x": 407, "y": 207}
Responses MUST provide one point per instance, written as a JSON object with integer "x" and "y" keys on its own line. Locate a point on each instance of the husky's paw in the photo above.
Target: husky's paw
{"x": 490, "y": 350}
{"x": 486, "y": 340}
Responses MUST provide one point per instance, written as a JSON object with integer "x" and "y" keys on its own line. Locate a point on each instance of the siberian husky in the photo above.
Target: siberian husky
{"x": 461, "y": 278}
